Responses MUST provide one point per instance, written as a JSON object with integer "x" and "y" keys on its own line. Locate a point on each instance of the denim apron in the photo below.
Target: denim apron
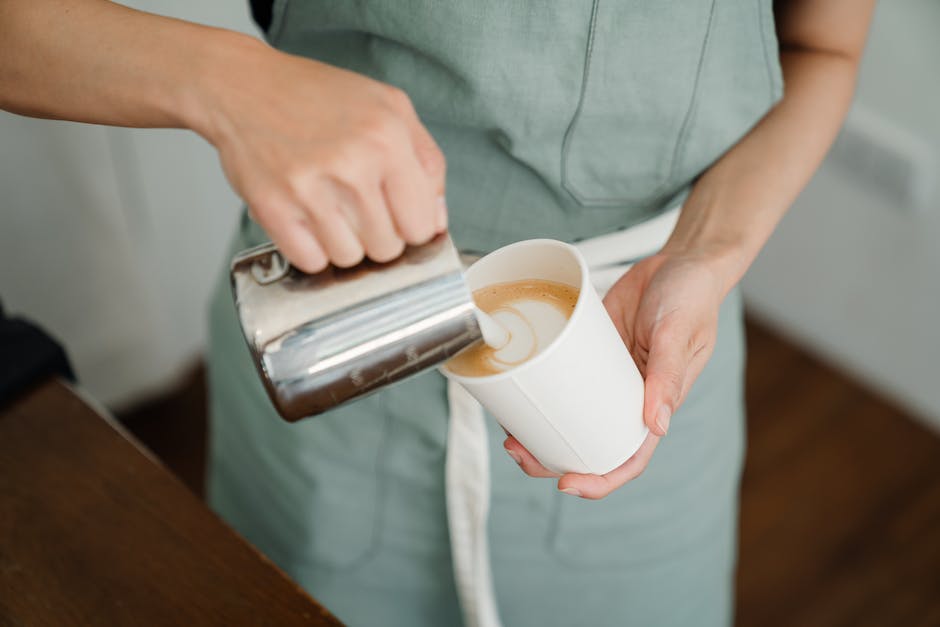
{"x": 562, "y": 119}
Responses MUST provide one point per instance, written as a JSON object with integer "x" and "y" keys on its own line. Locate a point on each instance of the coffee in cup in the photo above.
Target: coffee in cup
{"x": 533, "y": 311}
{"x": 576, "y": 403}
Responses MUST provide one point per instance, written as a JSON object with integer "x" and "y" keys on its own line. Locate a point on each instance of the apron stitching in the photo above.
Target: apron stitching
{"x": 762, "y": 29}
{"x": 683, "y": 130}
{"x": 565, "y": 144}
{"x": 693, "y": 105}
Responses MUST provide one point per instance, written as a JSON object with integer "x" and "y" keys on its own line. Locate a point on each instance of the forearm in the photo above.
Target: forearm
{"x": 735, "y": 205}
{"x": 100, "y": 62}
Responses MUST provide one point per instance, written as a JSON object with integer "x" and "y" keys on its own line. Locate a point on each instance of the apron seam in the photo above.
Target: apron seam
{"x": 659, "y": 194}
{"x": 569, "y": 132}
{"x": 763, "y": 30}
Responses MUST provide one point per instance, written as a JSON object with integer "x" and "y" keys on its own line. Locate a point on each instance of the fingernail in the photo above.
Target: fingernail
{"x": 663, "y": 417}
{"x": 516, "y": 457}
{"x": 441, "y": 214}
{"x": 572, "y": 491}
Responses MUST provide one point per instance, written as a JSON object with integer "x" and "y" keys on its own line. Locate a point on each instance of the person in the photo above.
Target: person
{"x": 564, "y": 120}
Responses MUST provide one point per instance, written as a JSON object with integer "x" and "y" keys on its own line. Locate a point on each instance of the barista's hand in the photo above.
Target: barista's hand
{"x": 332, "y": 164}
{"x": 666, "y": 310}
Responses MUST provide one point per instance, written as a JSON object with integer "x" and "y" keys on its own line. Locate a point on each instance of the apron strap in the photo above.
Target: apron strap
{"x": 467, "y": 482}
{"x": 467, "y": 467}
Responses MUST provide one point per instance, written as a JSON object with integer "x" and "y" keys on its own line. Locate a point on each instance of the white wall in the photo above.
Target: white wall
{"x": 853, "y": 272}
{"x": 111, "y": 238}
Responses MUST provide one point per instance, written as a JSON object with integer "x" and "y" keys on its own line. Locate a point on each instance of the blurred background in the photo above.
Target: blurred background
{"x": 111, "y": 239}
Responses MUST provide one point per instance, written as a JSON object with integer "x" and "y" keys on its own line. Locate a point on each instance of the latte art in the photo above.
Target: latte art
{"x": 533, "y": 311}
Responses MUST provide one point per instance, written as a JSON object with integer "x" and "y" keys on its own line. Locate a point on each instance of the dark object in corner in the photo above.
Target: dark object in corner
{"x": 261, "y": 12}
{"x": 27, "y": 356}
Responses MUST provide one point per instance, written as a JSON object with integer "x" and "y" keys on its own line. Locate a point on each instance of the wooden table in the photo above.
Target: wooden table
{"x": 94, "y": 531}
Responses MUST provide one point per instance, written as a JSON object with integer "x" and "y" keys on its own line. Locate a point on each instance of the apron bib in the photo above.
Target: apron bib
{"x": 563, "y": 119}
{"x": 560, "y": 119}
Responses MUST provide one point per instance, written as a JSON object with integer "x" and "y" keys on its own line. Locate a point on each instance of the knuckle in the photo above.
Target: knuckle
{"x": 699, "y": 342}
{"x": 397, "y": 98}
{"x": 381, "y": 128}
{"x": 342, "y": 162}
{"x": 433, "y": 159}
{"x": 669, "y": 334}
{"x": 300, "y": 180}
{"x": 318, "y": 211}
{"x": 671, "y": 377}
{"x": 262, "y": 203}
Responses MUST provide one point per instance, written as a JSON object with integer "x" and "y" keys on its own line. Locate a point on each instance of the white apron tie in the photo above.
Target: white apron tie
{"x": 467, "y": 467}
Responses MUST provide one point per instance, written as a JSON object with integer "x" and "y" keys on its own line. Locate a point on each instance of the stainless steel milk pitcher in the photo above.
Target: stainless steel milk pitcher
{"x": 319, "y": 340}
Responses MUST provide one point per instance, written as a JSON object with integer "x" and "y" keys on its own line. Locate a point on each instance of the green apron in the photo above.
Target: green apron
{"x": 558, "y": 119}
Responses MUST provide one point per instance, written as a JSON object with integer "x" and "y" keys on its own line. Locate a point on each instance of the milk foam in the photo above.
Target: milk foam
{"x": 534, "y": 312}
{"x": 532, "y": 326}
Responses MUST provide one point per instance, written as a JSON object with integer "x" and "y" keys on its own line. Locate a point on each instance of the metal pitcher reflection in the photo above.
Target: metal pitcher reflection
{"x": 320, "y": 340}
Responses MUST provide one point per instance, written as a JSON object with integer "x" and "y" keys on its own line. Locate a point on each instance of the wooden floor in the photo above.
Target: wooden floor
{"x": 840, "y": 512}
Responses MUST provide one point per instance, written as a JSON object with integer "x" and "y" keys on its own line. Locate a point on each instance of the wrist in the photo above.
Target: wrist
{"x": 221, "y": 61}
{"x": 707, "y": 238}
{"x": 726, "y": 260}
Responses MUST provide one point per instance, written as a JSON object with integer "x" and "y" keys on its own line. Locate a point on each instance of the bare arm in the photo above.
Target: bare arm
{"x": 101, "y": 62}
{"x": 666, "y": 307}
{"x": 333, "y": 165}
{"x": 736, "y": 204}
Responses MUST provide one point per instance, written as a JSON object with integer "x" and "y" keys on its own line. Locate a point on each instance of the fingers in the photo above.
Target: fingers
{"x": 699, "y": 360}
{"x": 429, "y": 154}
{"x": 373, "y": 223}
{"x": 435, "y": 166}
{"x": 332, "y": 225}
{"x": 599, "y": 486}
{"x": 367, "y": 191}
{"x": 288, "y": 228}
{"x": 671, "y": 351}
{"x": 426, "y": 149}
{"x": 415, "y": 187}
{"x": 526, "y": 460}
{"x": 621, "y": 302}
{"x": 412, "y": 202}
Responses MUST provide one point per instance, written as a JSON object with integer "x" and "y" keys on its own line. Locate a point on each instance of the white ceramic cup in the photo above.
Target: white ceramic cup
{"x": 577, "y": 406}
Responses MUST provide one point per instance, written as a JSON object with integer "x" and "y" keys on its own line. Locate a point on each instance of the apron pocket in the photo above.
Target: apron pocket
{"x": 341, "y": 485}
{"x": 637, "y": 96}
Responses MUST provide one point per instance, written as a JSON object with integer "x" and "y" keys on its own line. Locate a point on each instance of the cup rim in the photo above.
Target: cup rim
{"x": 512, "y": 372}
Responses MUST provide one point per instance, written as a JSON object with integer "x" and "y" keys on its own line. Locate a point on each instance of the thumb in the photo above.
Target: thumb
{"x": 666, "y": 370}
